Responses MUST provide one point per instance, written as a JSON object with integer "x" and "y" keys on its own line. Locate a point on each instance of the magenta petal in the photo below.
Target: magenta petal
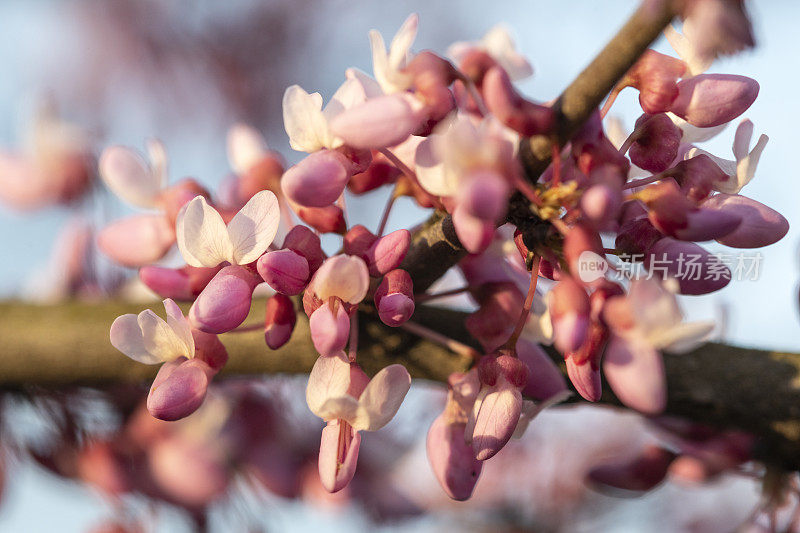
{"x": 496, "y": 420}
{"x": 388, "y": 252}
{"x": 761, "y": 225}
{"x": 337, "y": 466}
{"x": 329, "y": 333}
{"x": 570, "y": 331}
{"x": 377, "y": 123}
{"x": 475, "y": 234}
{"x": 707, "y": 224}
{"x": 635, "y": 372}
{"x": 178, "y": 390}
{"x": 586, "y": 379}
{"x": 285, "y": 271}
{"x": 695, "y": 270}
{"x": 209, "y": 349}
{"x": 485, "y": 196}
{"x": 318, "y": 180}
{"x": 279, "y": 321}
{"x": 452, "y": 459}
{"x": 137, "y": 240}
{"x": 167, "y": 282}
{"x": 544, "y": 378}
{"x": 395, "y": 309}
{"x": 601, "y": 204}
{"x": 709, "y": 100}
{"x": 225, "y": 302}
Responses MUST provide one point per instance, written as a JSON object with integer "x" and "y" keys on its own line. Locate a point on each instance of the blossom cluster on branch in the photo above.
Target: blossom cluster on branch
{"x": 542, "y": 249}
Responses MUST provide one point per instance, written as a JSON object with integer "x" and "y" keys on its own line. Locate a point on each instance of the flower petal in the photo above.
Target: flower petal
{"x": 253, "y": 228}
{"x": 180, "y": 325}
{"x": 303, "y": 119}
{"x": 329, "y": 378}
{"x": 382, "y": 398}
{"x": 160, "y": 339}
{"x": 202, "y": 236}
{"x": 343, "y": 276}
{"x": 501, "y": 47}
{"x": 246, "y": 147}
{"x": 126, "y": 336}
{"x": 158, "y": 161}
{"x": 128, "y": 176}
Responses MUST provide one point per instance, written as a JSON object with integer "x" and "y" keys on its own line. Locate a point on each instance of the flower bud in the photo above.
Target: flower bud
{"x": 569, "y": 311}
{"x": 544, "y": 379}
{"x": 285, "y": 271}
{"x": 670, "y": 258}
{"x": 279, "y": 321}
{"x": 496, "y": 413}
{"x": 387, "y": 252}
{"x": 330, "y": 328}
{"x": 225, "y": 302}
{"x": 209, "y": 349}
{"x": 378, "y": 123}
{"x": 357, "y": 241}
{"x": 337, "y": 462}
{"x": 473, "y": 233}
{"x": 305, "y": 242}
{"x": 657, "y": 141}
{"x": 635, "y": 371}
{"x": 585, "y": 377}
{"x": 137, "y": 240}
{"x": 601, "y": 204}
{"x": 173, "y": 198}
{"x": 182, "y": 284}
{"x": 329, "y": 219}
{"x": 709, "y": 100}
{"x": 760, "y": 226}
{"x": 640, "y": 473}
{"x": 706, "y": 224}
{"x": 318, "y": 180}
{"x": 485, "y": 196}
{"x": 394, "y": 298}
{"x": 452, "y": 459}
{"x": 379, "y": 173}
{"x": 511, "y": 109}
{"x": 178, "y": 389}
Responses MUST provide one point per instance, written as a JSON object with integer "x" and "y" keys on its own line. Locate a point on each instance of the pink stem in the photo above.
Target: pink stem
{"x": 511, "y": 344}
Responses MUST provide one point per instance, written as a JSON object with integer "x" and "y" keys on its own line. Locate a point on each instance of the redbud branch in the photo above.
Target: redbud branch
{"x": 427, "y": 297}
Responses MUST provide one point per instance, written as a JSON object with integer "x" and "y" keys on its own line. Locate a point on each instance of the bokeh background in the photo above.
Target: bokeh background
{"x": 185, "y": 71}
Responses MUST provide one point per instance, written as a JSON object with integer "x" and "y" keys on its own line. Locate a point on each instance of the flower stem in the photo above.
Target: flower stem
{"x": 419, "y": 298}
{"x": 386, "y": 210}
{"x": 511, "y": 344}
{"x": 454, "y": 345}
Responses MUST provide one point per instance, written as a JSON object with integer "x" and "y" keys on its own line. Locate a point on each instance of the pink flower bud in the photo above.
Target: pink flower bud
{"x": 640, "y": 473}
{"x": 670, "y": 258}
{"x": 706, "y": 224}
{"x": 357, "y": 241}
{"x": 636, "y": 236}
{"x": 667, "y": 205}
{"x": 501, "y": 304}
{"x": 377, "y": 123}
{"x": 591, "y": 149}
{"x": 635, "y": 371}
{"x": 225, "y": 302}
{"x": 167, "y": 282}
{"x": 760, "y": 226}
{"x": 697, "y": 176}
{"x": 522, "y": 116}
{"x": 209, "y": 349}
{"x": 285, "y": 271}
{"x": 173, "y": 198}
{"x": 498, "y": 409}
{"x": 709, "y": 100}
{"x": 601, "y": 204}
{"x": 329, "y": 219}
{"x": 655, "y": 75}
{"x": 179, "y": 389}
{"x": 581, "y": 238}
{"x": 379, "y": 173}
{"x": 512, "y": 369}
{"x": 305, "y": 242}
{"x": 318, "y": 180}
{"x": 473, "y": 233}
{"x": 330, "y": 328}
{"x": 338, "y": 455}
{"x": 452, "y": 459}
{"x": 656, "y": 145}
{"x": 394, "y": 298}
{"x": 279, "y": 321}
{"x": 485, "y": 196}
{"x": 137, "y": 240}
{"x": 585, "y": 377}
{"x": 545, "y": 380}
{"x": 569, "y": 311}
{"x": 387, "y": 252}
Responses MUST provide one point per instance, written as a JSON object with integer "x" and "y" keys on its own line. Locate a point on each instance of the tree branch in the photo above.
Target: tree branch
{"x": 67, "y": 345}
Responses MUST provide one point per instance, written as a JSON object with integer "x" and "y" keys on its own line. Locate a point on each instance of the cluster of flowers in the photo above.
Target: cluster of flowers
{"x": 446, "y": 135}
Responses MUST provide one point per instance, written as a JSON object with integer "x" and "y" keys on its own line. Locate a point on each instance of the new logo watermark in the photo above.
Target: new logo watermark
{"x": 591, "y": 266}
